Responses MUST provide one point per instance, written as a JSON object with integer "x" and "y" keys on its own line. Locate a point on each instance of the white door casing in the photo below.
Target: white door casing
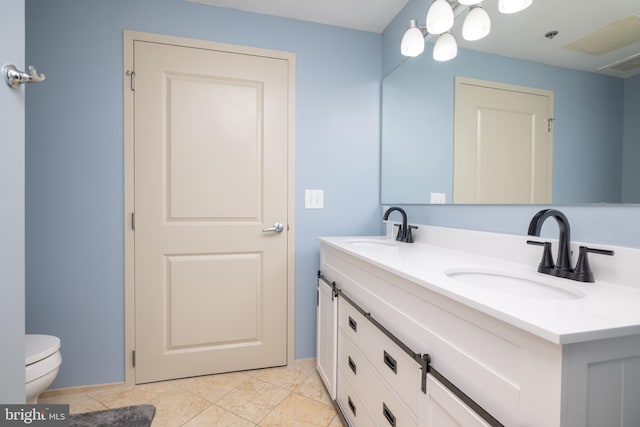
{"x": 503, "y": 143}
{"x": 208, "y": 142}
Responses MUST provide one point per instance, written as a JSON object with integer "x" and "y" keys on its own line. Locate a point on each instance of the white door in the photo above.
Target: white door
{"x": 502, "y": 143}
{"x": 211, "y": 173}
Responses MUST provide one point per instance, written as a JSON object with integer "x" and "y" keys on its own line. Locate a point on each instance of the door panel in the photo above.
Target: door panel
{"x": 232, "y": 156}
{"x": 210, "y": 286}
{"x": 231, "y": 314}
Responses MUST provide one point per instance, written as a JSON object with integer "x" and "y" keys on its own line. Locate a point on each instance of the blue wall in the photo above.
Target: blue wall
{"x": 631, "y": 153}
{"x": 74, "y": 283}
{"x": 610, "y": 224}
{"x": 12, "y": 384}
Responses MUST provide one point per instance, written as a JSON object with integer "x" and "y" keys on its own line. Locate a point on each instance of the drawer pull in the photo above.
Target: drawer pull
{"x": 353, "y": 366}
{"x": 353, "y": 324}
{"x": 388, "y": 415}
{"x": 391, "y": 362}
{"x": 351, "y": 405}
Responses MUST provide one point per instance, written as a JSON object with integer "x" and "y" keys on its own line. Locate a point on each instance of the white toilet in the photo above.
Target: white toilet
{"x": 42, "y": 360}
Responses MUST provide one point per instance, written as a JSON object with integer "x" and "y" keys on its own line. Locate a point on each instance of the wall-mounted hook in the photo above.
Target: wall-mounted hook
{"x": 15, "y": 78}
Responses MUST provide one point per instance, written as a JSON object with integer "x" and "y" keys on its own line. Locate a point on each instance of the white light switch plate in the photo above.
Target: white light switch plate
{"x": 313, "y": 199}
{"x": 438, "y": 198}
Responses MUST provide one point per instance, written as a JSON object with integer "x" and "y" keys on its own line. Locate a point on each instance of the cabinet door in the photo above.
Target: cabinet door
{"x": 445, "y": 409}
{"x": 326, "y": 336}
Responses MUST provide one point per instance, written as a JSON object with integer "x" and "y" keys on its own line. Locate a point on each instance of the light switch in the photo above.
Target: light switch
{"x": 313, "y": 199}
{"x": 438, "y": 198}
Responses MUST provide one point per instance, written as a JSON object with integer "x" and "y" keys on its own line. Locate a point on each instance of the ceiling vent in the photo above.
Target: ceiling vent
{"x": 625, "y": 68}
{"x": 618, "y": 34}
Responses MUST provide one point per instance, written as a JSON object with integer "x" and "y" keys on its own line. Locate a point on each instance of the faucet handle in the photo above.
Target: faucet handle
{"x": 400, "y": 235}
{"x": 546, "y": 263}
{"x": 583, "y": 271}
{"x": 409, "y": 236}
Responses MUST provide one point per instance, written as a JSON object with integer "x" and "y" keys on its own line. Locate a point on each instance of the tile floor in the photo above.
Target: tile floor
{"x": 286, "y": 396}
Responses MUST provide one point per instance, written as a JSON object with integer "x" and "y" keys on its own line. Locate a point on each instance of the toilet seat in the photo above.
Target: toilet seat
{"x": 37, "y": 347}
{"x": 42, "y": 355}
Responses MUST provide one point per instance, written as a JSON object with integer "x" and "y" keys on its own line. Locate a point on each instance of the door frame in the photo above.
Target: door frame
{"x": 129, "y": 185}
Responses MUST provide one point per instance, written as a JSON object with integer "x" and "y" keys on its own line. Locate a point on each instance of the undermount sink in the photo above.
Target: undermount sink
{"x": 505, "y": 282}
{"x": 371, "y": 242}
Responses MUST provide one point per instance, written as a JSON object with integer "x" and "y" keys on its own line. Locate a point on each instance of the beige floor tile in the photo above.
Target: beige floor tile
{"x": 253, "y": 399}
{"x": 337, "y": 422}
{"x": 299, "y": 411}
{"x": 132, "y": 395}
{"x": 216, "y": 416}
{"x": 242, "y": 399}
{"x": 213, "y": 387}
{"x": 176, "y": 407}
{"x": 289, "y": 377}
{"x": 313, "y": 388}
{"x": 78, "y": 403}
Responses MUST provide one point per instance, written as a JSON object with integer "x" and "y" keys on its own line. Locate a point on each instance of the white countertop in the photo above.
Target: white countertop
{"x": 580, "y": 312}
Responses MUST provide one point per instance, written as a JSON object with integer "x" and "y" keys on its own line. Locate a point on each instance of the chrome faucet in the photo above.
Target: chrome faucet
{"x": 404, "y": 232}
{"x": 582, "y": 272}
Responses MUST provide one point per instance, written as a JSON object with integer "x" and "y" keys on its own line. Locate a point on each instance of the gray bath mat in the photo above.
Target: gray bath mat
{"x": 128, "y": 416}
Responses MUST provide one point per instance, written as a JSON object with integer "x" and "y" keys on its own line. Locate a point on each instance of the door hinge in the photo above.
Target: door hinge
{"x": 132, "y": 74}
{"x": 133, "y": 358}
{"x": 550, "y": 124}
{"x": 133, "y": 221}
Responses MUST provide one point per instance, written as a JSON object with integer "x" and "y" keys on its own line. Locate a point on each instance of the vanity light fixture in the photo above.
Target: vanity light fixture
{"x": 440, "y": 19}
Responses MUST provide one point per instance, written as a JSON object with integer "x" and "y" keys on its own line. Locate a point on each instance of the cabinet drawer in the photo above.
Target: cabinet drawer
{"x": 351, "y": 321}
{"x": 402, "y": 372}
{"x": 445, "y": 409}
{"x": 352, "y": 407}
{"x": 384, "y": 405}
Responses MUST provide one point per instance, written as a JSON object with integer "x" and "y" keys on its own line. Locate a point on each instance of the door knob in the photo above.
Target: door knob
{"x": 277, "y": 228}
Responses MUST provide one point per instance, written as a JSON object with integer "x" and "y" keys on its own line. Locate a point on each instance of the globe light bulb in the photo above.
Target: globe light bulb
{"x": 413, "y": 40}
{"x": 439, "y": 17}
{"x": 476, "y": 25}
{"x": 445, "y": 48}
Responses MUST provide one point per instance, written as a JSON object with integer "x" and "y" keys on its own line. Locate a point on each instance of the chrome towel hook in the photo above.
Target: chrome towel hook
{"x": 15, "y": 78}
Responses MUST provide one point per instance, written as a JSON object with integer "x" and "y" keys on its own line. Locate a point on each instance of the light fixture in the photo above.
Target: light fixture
{"x": 440, "y": 17}
{"x": 513, "y": 6}
{"x": 445, "y": 48}
{"x": 476, "y": 25}
{"x": 440, "y": 20}
{"x": 413, "y": 40}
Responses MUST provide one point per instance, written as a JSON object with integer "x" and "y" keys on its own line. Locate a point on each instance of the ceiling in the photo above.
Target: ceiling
{"x": 520, "y": 35}
{"x": 366, "y": 15}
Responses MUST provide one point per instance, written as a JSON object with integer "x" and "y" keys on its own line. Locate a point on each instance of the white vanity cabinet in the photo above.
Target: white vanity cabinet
{"x": 483, "y": 371}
